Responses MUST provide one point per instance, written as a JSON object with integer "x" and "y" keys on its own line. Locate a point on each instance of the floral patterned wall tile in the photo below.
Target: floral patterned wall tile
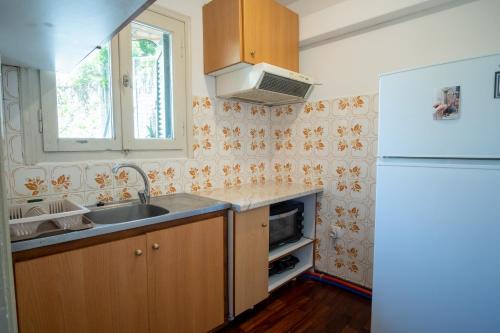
{"x": 126, "y": 193}
{"x": 13, "y": 144}
{"x": 204, "y": 145}
{"x": 67, "y": 178}
{"x": 15, "y": 148}
{"x": 104, "y": 195}
{"x": 172, "y": 170}
{"x": 332, "y": 142}
{"x": 29, "y": 181}
{"x": 232, "y": 173}
{"x": 154, "y": 172}
{"x": 258, "y": 113}
{"x": 98, "y": 176}
{"x": 326, "y": 142}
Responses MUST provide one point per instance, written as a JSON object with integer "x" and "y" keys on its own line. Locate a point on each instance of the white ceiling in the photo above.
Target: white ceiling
{"x": 287, "y": 2}
{"x": 306, "y": 7}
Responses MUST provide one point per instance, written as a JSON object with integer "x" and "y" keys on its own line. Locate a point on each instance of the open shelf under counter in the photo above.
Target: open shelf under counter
{"x": 283, "y": 250}
{"x": 248, "y": 230}
{"x": 305, "y": 263}
{"x": 279, "y": 279}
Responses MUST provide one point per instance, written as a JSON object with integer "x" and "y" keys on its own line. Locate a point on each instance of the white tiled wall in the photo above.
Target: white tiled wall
{"x": 333, "y": 143}
{"x": 231, "y": 147}
{"x": 328, "y": 142}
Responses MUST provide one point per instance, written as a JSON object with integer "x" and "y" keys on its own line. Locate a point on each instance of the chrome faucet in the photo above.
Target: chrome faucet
{"x": 144, "y": 196}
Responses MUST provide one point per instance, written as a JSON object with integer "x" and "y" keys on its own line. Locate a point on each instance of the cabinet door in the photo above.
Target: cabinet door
{"x": 186, "y": 277}
{"x": 222, "y": 34}
{"x": 270, "y": 34}
{"x": 251, "y": 252}
{"x": 100, "y": 288}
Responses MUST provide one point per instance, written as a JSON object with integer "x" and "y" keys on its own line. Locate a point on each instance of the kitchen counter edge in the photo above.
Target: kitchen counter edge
{"x": 239, "y": 206}
{"x": 103, "y": 229}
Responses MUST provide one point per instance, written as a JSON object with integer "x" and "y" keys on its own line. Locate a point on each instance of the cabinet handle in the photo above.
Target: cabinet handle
{"x": 252, "y": 54}
{"x": 156, "y": 246}
{"x": 138, "y": 252}
{"x": 264, "y": 225}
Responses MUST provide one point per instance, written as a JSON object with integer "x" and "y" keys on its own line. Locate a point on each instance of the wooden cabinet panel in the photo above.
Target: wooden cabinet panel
{"x": 251, "y": 251}
{"x": 100, "y": 288}
{"x": 186, "y": 277}
{"x": 270, "y": 34}
{"x": 222, "y": 34}
{"x": 251, "y": 31}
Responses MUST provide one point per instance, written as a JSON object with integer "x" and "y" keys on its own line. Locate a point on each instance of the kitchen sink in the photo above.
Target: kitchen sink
{"x": 124, "y": 213}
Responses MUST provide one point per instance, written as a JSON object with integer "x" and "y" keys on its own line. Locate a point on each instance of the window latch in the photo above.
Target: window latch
{"x": 40, "y": 121}
{"x": 126, "y": 81}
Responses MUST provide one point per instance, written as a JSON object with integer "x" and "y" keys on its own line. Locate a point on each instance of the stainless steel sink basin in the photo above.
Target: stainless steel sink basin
{"x": 124, "y": 213}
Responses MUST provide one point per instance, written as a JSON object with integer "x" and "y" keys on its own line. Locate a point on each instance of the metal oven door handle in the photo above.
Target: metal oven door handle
{"x": 282, "y": 216}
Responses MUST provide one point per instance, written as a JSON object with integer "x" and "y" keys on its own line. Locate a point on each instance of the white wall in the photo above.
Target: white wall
{"x": 352, "y": 65}
{"x": 354, "y": 15}
{"x": 201, "y": 85}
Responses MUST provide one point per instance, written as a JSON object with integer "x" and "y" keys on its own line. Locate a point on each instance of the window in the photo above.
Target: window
{"x": 129, "y": 94}
{"x": 151, "y": 65}
{"x": 84, "y": 99}
{"x": 153, "y": 55}
{"x": 81, "y": 109}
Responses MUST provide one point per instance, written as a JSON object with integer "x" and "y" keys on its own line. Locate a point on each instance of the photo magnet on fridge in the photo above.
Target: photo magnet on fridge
{"x": 497, "y": 85}
{"x": 448, "y": 105}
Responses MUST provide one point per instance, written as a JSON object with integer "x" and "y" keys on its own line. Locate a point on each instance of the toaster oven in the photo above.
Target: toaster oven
{"x": 285, "y": 223}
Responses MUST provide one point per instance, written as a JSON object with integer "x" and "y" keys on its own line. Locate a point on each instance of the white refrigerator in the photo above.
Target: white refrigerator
{"x": 437, "y": 225}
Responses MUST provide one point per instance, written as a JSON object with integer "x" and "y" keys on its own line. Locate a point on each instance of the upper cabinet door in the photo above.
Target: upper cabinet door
{"x": 222, "y": 34}
{"x": 100, "y": 288}
{"x": 57, "y": 35}
{"x": 271, "y": 34}
{"x": 239, "y": 32}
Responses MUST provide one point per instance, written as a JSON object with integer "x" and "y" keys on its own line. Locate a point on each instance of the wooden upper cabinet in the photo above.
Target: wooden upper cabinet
{"x": 222, "y": 34}
{"x": 249, "y": 31}
{"x": 100, "y": 288}
{"x": 270, "y": 34}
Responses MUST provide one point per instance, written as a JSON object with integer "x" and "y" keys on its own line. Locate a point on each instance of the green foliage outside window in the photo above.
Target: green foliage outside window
{"x": 84, "y": 98}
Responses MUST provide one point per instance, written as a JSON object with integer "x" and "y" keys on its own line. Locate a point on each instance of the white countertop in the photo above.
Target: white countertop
{"x": 250, "y": 196}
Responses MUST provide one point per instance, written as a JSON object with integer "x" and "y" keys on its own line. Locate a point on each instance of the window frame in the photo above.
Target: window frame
{"x": 50, "y": 132}
{"x": 179, "y": 91}
{"x": 122, "y": 97}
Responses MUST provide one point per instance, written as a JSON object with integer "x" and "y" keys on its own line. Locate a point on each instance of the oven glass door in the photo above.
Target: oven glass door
{"x": 282, "y": 227}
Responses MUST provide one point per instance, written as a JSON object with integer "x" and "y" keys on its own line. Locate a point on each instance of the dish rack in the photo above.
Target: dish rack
{"x": 34, "y": 219}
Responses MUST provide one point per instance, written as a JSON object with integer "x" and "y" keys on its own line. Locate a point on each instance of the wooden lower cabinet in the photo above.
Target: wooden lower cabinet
{"x": 251, "y": 253}
{"x": 190, "y": 297}
{"x": 171, "y": 280}
{"x": 100, "y": 288}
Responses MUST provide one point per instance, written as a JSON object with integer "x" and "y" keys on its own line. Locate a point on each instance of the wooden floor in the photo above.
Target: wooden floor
{"x": 306, "y": 306}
